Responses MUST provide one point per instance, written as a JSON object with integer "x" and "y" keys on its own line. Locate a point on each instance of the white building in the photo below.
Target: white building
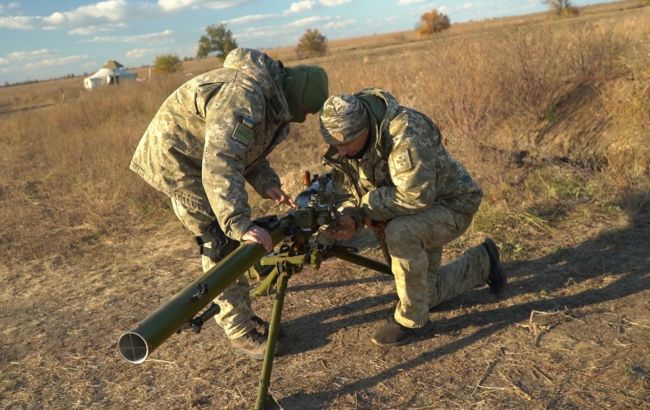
{"x": 111, "y": 73}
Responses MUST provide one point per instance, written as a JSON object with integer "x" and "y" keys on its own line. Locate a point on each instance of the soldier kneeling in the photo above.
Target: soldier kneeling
{"x": 400, "y": 178}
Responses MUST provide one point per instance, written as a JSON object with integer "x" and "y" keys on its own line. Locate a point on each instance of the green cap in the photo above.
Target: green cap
{"x": 342, "y": 119}
{"x": 304, "y": 86}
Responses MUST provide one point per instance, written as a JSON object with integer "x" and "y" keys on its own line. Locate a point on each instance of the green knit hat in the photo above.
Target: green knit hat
{"x": 342, "y": 119}
{"x": 304, "y": 86}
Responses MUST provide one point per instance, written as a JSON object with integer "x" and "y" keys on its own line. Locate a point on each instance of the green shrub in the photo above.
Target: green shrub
{"x": 312, "y": 44}
{"x": 167, "y": 63}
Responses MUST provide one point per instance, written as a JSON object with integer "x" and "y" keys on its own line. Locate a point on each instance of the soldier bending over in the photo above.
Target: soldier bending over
{"x": 211, "y": 136}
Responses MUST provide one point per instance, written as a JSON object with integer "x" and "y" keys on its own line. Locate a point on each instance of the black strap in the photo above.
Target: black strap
{"x": 220, "y": 245}
{"x": 195, "y": 324}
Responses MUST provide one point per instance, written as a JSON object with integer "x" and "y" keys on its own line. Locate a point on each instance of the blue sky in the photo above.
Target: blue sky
{"x": 47, "y": 39}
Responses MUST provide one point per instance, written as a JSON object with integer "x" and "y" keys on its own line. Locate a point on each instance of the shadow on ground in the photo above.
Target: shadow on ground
{"x": 620, "y": 254}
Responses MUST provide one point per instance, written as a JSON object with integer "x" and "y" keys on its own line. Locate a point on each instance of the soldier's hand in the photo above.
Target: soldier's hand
{"x": 280, "y": 197}
{"x": 259, "y": 235}
{"x": 345, "y": 231}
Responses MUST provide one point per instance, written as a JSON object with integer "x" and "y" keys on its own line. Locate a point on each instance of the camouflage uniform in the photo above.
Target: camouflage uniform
{"x": 208, "y": 138}
{"x": 406, "y": 178}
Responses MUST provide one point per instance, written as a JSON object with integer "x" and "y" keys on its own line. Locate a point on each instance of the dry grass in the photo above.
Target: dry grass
{"x": 507, "y": 87}
{"x": 551, "y": 116}
{"x": 65, "y": 177}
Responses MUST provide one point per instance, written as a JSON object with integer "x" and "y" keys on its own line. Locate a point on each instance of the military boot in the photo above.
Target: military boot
{"x": 394, "y": 334}
{"x": 252, "y": 344}
{"x": 496, "y": 279}
{"x": 262, "y": 326}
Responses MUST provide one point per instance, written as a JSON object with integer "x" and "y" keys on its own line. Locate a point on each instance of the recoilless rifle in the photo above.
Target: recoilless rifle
{"x": 295, "y": 241}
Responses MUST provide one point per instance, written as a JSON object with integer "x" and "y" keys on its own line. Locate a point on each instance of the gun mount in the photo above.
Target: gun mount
{"x": 315, "y": 205}
{"x": 295, "y": 233}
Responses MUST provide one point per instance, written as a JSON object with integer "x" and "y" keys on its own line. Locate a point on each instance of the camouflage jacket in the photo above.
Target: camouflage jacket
{"x": 213, "y": 133}
{"x": 405, "y": 169}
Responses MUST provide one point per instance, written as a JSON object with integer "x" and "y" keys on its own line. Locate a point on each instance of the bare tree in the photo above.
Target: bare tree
{"x": 562, "y": 8}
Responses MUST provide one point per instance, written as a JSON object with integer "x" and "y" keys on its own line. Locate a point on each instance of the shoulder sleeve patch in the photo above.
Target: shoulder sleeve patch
{"x": 247, "y": 121}
{"x": 243, "y": 134}
{"x": 398, "y": 124}
{"x": 402, "y": 159}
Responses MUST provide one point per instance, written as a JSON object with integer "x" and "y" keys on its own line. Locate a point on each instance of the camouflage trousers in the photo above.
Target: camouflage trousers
{"x": 234, "y": 302}
{"x": 415, "y": 244}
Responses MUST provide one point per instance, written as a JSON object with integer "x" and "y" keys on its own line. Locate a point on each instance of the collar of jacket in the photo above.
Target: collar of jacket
{"x": 380, "y": 121}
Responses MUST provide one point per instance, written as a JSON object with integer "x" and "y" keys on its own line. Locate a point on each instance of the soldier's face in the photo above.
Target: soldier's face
{"x": 352, "y": 148}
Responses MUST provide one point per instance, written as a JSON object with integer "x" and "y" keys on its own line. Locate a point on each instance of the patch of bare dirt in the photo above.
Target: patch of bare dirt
{"x": 571, "y": 330}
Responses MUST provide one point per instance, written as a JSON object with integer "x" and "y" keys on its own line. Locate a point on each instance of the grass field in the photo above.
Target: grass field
{"x": 552, "y": 117}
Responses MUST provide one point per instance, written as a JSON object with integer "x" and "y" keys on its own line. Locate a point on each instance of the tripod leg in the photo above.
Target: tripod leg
{"x": 272, "y": 338}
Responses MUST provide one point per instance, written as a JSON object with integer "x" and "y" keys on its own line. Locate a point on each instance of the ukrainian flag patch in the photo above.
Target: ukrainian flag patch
{"x": 247, "y": 121}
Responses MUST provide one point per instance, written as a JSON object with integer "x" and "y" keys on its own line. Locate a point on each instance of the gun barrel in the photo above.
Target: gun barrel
{"x": 137, "y": 344}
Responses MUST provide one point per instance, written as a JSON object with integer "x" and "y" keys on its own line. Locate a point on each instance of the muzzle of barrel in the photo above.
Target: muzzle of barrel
{"x": 133, "y": 347}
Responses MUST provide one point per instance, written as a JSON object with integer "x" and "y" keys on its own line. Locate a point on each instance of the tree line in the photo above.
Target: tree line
{"x": 218, "y": 40}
